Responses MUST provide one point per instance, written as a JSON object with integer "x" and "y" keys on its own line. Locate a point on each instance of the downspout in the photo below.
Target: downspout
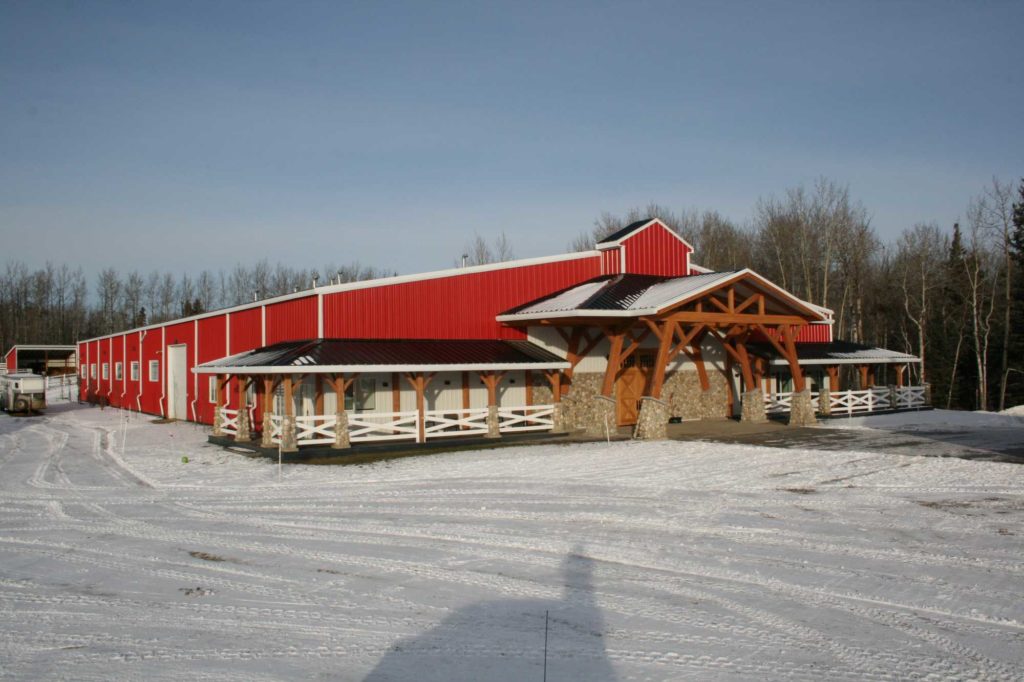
{"x": 195, "y": 361}
{"x": 110, "y": 368}
{"x": 124, "y": 361}
{"x": 142, "y": 384}
{"x": 163, "y": 370}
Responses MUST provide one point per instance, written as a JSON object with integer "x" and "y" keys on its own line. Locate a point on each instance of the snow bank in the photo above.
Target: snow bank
{"x": 931, "y": 420}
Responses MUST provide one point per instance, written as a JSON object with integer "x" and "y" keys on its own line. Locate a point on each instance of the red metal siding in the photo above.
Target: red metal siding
{"x": 460, "y": 306}
{"x": 815, "y": 333}
{"x": 11, "y": 359}
{"x": 152, "y": 391}
{"x": 291, "y": 320}
{"x": 212, "y": 345}
{"x": 611, "y": 260}
{"x": 656, "y": 251}
{"x": 117, "y": 385}
{"x": 246, "y": 330}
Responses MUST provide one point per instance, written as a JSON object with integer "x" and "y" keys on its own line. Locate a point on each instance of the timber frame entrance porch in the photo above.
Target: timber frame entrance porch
{"x": 677, "y": 315}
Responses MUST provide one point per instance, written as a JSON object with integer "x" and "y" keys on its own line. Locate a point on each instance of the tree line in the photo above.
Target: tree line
{"x": 952, "y": 295}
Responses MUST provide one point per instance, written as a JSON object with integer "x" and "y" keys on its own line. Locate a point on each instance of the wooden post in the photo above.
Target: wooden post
{"x": 789, "y": 341}
{"x": 319, "y": 405}
{"x": 863, "y": 377}
{"x": 833, "y": 378}
{"x": 554, "y": 377}
{"x": 900, "y": 369}
{"x": 419, "y": 383}
{"x": 396, "y": 393}
{"x": 465, "y": 390}
{"x": 665, "y": 336}
{"x": 528, "y": 384}
{"x": 614, "y": 358}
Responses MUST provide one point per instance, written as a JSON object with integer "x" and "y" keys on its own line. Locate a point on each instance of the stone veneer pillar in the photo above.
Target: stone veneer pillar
{"x": 598, "y": 416}
{"x": 243, "y": 434}
{"x": 341, "y": 437}
{"x": 801, "y": 411}
{"x": 752, "y": 408}
{"x": 557, "y": 418}
{"x": 928, "y": 394}
{"x": 217, "y": 421}
{"x": 652, "y": 422}
{"x": 825, "y": 402}
{"x": 268, "y": 430}
{"x": 288, "y": 443}
{"x": 493, "y": 424}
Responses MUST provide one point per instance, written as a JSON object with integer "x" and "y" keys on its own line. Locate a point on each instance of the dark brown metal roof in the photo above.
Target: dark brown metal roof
{"x": 381, "y": 353}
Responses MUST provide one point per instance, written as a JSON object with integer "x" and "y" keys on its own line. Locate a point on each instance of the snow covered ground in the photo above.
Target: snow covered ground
{"x": 652, "y": 561}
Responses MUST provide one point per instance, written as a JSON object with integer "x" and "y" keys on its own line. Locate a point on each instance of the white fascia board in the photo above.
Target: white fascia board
{"x": 640, "y": 312}
{"x": 42, "y": 347}
{"x": 602, "y": 246}
{"x": 779, "y": 362}
{"x": 366, "y": 369}
{"x": 700, "y": 268}
{"x": 366, "y": 284}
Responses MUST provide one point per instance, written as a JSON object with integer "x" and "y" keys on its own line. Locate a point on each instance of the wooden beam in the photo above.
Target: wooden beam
{"x": 614, "y": 361}
{"x": 733, "y": 318}
{"x": 833, "y": 378}
{"x": 396, "y": 392}
{"x": 661, "y": 361}
{"x": 319, "y": 404}
{"x": 789, "y": 342}
{"x": 289, "y": 402}
{"x": 900, "y": 369}
{"x": 749, "y": 302}
{"x": 554, "y": 377}
{"x": 863, "y": 377}
{"x": 465, "y": 390}
{"x": 528, "y": 385}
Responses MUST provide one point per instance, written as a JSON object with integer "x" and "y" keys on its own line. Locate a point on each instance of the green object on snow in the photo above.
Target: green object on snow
{"x": 184, "y": 459}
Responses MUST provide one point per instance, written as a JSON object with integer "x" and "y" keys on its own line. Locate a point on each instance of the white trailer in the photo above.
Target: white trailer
{"x": 22, "y": 392}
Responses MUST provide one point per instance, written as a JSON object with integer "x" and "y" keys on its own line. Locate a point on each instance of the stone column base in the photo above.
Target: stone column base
{"x": 267, "y": 440}
{"x": 341, "y": 438}
{"x": 825, "y": 402}
{"x": 492, "y": 422}
{"x": 598, "y": 418}
{"x": 558, "y": 419}
{"x": 801, "y": 412}
{"x": 652, "y": 423}
{"x": 928, "y": 394}
{"x": 243, "y": 434}
{"x": 288, "y": 443}
{"x": 711, "y": 406}
{"x": 752, "y": 408}
{"x": 218, "y": 419}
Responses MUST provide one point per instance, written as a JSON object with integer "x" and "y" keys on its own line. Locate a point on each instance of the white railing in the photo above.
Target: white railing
{"x": 315, "y": 429}
{"x": 909, "y": 397}
{"x": 782, "y": 403}
{"x": 857, "y": 402}
{"x": 367, "y": 426}
{"x": 228, "y": 420}
{"x": 448, "y": 423}
{"x": 62, "y": 380}
{"x": 527, "y": 418}
{"x": 275, "y": 427}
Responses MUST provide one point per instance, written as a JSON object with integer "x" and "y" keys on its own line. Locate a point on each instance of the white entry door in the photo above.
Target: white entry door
{"x": 177, "y": 381}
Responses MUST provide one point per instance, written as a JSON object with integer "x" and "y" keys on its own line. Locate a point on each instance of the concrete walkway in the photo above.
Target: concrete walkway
{"x": 992, "y": 444}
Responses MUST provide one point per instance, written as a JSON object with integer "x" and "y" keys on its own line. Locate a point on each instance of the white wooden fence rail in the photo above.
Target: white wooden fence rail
{"x": 367, "y": 426}
{"x": 908, "y": 397}
{"x": 228, "y": 420}
{"x": 316, "y": 429}
{"x": 527, "y": 418}
{"x": 858, "y": 402}
{"x": 448, "y": 423}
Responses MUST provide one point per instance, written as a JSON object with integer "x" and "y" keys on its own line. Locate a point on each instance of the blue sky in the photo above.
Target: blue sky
{"x": 190, "y": 135}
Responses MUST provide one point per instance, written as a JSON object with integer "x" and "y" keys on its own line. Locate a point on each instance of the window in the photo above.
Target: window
{"x": 135, "y": 370}
{"x": 106, "y": 371}
{"x": 84, "y": 370}
{"x": 213, "y": 388}
{"x": 92, "y": 370}
{"x": 154, "y": 370}
{"x": 119, "y": 371}
{"x": 361, "y": 395}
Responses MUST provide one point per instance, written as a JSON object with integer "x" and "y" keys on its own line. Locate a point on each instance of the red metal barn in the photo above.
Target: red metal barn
{"x": 475, "y": 350}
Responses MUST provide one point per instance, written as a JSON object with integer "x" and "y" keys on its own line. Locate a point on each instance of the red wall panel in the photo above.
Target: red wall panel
{"x": 460, "y": 306}
{"x": 246, "y": 330}
{"x": 292, "y": 320}
{"x": 12, "y": 360}
{"x": 611, "y": 260}
{"x": 656, "y": 251}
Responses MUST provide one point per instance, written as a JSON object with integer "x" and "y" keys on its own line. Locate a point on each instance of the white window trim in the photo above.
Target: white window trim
{"x": 92, "y": 371}
{"x": 135, "y": 374}
{"x": 212, "y": 389}
{"x": 118, "y": 371}
{"x": 105, "y": 371}
{"x": 154, "y": 369}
